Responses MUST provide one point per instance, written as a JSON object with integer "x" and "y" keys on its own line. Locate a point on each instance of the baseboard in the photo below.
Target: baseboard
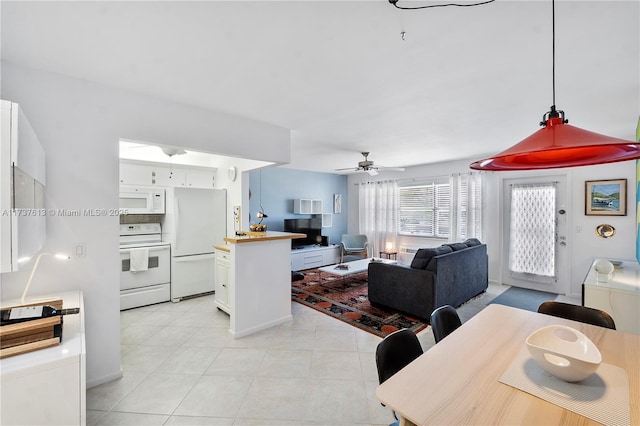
{"x": 104, "y": 379}
{"x": 251, "y": 330}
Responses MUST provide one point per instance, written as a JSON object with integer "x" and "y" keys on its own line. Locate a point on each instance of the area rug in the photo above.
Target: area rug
{"x": 523, "y": 298}
{"x": 346, "y": 300}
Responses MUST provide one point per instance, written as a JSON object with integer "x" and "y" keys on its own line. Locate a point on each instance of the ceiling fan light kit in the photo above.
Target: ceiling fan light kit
{"x": 558, "y": 144}
{"x": 172, "y": 151}
{"x": 368, "y": 166}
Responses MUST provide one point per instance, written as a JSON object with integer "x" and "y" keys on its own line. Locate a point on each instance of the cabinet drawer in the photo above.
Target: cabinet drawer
{"x": 313, "y": 261}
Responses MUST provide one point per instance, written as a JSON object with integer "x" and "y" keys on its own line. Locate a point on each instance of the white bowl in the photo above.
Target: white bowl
{"x": 564, "y": 352}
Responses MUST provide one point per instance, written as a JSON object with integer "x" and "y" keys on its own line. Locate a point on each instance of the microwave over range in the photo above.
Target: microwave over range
{"x": 141, "y": 200}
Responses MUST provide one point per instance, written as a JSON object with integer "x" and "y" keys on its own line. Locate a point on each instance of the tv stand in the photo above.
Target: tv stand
{"x": 314, "y": 256}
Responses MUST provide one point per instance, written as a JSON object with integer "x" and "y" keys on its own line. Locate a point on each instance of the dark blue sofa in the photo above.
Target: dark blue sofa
{"x": 447, "y": 275}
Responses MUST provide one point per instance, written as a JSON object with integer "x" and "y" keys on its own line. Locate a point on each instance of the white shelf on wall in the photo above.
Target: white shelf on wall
{"x": 307, "y": 206}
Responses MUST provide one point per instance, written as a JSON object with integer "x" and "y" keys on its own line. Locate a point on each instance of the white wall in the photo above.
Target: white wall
{"x": 582, "y": 242}
{"x": 79, "y": 125}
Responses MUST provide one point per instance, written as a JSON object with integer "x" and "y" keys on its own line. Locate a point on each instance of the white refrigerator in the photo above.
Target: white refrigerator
{"x": 195, "y": 220}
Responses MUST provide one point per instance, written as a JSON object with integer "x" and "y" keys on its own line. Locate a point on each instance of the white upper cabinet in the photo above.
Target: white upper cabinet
{"x": 134, "y": 174}
{"x": 166, "y": 175}
{"x": 22, "y": 180}
{"x": 198, "y": 179}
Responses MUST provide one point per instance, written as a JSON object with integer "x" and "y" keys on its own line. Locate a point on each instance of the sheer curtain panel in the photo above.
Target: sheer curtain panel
{"x": 467, "y": 202}
{"x": 378, "y": 213}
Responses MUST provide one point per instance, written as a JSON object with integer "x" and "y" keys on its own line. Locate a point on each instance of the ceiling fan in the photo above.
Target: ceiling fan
{"x": 172, "y": 151}
{"x": 367, "y": 166}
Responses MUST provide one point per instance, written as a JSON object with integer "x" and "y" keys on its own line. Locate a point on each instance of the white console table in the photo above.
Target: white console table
{"x": 48, "y": 386}
{"x": 619, "y": 296}
{"x": 314, "y": 257}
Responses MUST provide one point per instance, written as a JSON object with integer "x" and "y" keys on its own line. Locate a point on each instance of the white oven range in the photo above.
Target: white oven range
{"x": 145, "y": 265}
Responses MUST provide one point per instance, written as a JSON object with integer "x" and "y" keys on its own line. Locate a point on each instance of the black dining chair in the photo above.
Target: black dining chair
{"x": 577, "y": 313}
{"x": 396, "y": 351}
{"x": 444, "y": 320}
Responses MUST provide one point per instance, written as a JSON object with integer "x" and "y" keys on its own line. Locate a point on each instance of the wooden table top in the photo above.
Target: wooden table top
{"x": 457, "y": 380}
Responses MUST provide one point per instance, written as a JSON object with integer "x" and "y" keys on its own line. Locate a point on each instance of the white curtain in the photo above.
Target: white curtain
{"x": 466, "y": 220}
{"x": 378, "y": 214}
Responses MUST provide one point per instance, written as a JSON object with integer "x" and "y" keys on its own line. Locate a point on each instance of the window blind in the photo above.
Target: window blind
{"x": 441, "y": 207}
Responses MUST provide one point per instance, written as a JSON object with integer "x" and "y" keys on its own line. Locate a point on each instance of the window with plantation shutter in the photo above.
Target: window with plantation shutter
{"x": 425, "y": 210}
{"x": 441, "y": 208}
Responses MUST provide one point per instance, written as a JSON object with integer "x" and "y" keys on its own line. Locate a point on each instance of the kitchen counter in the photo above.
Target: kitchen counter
{"x": 222, "y": 247}
{"x": 258, "y": 281}
{"x": 263, "y": 236}
{"x": 48, "y": 386}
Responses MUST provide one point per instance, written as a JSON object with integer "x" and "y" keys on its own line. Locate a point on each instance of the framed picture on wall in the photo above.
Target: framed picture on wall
{"x": 606, "y": 197}
{"x": 337, "y": 203}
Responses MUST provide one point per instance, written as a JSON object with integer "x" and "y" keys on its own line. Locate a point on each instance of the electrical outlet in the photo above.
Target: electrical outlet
{"x": 80, "y": 249}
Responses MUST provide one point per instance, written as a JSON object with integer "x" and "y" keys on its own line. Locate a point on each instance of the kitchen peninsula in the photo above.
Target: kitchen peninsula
{"x": 258, "y": 280}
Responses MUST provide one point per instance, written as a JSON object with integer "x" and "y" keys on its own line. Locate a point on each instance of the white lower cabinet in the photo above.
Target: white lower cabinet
{"x": 618, "y": 294}
{"x": 48, "y": 386}
{"x": 314, "y": 257}
{"x": 223, "y": 263}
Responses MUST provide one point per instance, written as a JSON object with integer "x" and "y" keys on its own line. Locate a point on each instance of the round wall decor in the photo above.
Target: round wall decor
{"x": 605, "y": 231}
{"x": 232, "y": 173}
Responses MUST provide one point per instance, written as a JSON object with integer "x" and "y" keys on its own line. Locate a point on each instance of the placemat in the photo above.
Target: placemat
{"x": 603, "y": 396}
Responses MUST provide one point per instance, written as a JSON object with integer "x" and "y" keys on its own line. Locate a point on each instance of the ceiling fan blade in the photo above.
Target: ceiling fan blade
{"x": 347, "y": 168}
{"x": 395, "y": 169}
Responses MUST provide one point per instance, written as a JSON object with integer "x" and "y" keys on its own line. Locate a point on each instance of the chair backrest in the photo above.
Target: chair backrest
{"x": 577, "y": 313}
{"x": 395, "y": 352}
{"x": 444, "y": 320}
{"x": 352, "y": 241}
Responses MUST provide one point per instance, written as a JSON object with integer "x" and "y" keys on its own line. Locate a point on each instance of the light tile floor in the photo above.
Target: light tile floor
{"x": 181, "y": 367}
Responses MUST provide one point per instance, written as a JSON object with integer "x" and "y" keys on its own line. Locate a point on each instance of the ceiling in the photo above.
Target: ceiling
{"x": 463, "y": 82}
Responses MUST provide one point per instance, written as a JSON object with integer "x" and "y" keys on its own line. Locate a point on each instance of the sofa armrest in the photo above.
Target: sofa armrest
{"x": 460, "y": 275}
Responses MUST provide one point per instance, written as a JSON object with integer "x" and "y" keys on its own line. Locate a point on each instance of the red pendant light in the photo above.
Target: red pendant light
{"x": 560, "y": 145}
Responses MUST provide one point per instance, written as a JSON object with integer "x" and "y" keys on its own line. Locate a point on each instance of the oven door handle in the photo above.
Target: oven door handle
{"x": 155, "y": 248}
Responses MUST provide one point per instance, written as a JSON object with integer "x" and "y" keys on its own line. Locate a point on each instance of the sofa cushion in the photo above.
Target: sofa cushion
{"x": 457, "y": 246}
{"x": 424, "y": 255}
{"x": 471, "y": 242}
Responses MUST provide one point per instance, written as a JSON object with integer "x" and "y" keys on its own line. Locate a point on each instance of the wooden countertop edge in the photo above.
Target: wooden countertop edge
{"x": 252, "y": 237}
{"x": 222, "y": 247}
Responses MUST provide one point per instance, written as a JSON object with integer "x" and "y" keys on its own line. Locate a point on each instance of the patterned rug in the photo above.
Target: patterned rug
{"x": 346, "y": 300}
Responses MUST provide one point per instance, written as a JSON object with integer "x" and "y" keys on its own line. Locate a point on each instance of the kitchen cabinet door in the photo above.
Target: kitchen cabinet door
{"x": 170, "y": 177}
{"x": 132, "y": 174}
{"x": 222, "y": 281}
{"x": 198, "y": 179}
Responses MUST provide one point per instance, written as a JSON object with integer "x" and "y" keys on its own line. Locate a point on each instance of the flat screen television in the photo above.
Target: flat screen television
{"x": 312, "y": 227}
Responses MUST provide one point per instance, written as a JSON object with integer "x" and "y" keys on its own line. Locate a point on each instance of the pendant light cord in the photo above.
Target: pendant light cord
{"x": 395, "y": 3}
{"x": 553, "y": 50}
{"x": 553, "y": 113}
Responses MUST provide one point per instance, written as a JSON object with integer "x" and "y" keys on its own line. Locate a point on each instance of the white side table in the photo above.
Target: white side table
{"x": 619, "y": 296}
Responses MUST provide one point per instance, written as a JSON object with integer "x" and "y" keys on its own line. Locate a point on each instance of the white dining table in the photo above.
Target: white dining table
{"x": 457, "y": 381}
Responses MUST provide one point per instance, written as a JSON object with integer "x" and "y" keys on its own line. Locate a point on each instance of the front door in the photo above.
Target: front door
{"x": 535, "y": 228}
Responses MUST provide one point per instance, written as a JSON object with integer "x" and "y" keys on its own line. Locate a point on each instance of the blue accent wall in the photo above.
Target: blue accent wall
{"x": 277, "y": 187}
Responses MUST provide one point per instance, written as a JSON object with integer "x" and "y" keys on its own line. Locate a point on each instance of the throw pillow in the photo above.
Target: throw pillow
{"x": 471, "y": 242}
{"x": 424, "y": 255}
{"x": 457, "y": 246}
